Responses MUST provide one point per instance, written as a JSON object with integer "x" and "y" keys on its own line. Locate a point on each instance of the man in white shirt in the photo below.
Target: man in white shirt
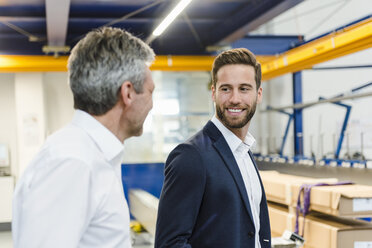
{"x": 212, "y": 194}
{"x": 71, "y": 194}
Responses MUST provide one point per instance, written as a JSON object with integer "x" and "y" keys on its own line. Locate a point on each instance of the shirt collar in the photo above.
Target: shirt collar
{"x": 106, "y": 141}
{"x": 232, "y": 140}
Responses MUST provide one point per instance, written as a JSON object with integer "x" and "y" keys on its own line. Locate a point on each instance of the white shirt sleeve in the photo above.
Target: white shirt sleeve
{"x": 52, "y": 207}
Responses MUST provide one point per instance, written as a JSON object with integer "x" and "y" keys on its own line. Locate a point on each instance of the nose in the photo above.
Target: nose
{"x": 235, "y": 97}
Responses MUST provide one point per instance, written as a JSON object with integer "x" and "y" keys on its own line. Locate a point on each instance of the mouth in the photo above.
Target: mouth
{"x": 235, "y": 111}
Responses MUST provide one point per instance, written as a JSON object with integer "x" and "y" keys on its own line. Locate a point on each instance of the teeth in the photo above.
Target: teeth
{"x": 235, "y": 110}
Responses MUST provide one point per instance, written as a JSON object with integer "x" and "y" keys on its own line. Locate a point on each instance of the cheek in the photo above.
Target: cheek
{"x": 251, "y": 98}
{"x": 221, "y": 98}
{"x": 149, "y": 101}
{"x": 256, "y": 99}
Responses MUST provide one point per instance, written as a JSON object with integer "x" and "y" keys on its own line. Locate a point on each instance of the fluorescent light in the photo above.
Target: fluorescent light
{"x": 170, "y": 17}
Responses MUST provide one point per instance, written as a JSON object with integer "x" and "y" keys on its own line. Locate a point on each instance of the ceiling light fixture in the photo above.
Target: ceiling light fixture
{"x": 169, "y": 19}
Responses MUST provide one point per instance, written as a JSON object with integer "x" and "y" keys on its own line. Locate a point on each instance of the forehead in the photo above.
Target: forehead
{"x": 236, "y": 73}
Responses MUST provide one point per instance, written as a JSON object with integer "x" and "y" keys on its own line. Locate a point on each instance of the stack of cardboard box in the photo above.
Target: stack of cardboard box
{"x": 329, "y": 225}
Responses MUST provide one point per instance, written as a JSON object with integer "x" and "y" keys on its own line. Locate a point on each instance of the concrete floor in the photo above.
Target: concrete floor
{"x": 6, "y": 241}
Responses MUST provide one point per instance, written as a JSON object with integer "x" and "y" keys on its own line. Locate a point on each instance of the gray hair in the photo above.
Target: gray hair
{"x": 101, "y": 62}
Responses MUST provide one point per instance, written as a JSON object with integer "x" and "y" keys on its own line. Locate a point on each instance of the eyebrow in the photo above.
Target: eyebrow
{"x": 224, "y": 85}
{"x": 240, "y": 85}
{"x": 246, "y": 85}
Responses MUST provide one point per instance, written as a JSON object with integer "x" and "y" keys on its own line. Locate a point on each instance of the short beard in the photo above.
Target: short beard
{"x": 231, "y": 124}
{"x": 135, "y": 130}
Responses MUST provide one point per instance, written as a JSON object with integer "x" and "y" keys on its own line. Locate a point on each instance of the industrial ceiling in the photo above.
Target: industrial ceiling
{"x": 26, "y": 26}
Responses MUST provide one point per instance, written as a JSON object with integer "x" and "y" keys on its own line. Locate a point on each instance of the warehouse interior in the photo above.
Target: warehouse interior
{"x": 313, "y": 126}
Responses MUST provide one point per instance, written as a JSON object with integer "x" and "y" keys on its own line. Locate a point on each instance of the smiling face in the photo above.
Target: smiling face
{"x": 236, "y": 96}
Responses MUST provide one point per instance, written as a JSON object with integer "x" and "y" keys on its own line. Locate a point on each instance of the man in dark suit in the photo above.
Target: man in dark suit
{"x": 212, "y": 195}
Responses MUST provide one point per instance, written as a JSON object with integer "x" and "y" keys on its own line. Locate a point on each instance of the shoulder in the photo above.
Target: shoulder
{"x": 71, "y": 142}
{"x": 65, "y": 167}
{"x": 201, "y": 141}
{"x": 67, "y": 152}
{"x": 184, "y": 152}
{"x": 190, "y": 157}
{"x": 74, "y": 144}
{"x": 194, "y": 146}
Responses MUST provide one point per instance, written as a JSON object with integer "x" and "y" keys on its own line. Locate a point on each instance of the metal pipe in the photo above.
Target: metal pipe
{"x": 361, "y": 145}
{"x": 260, "y": 140}
{"x": 334, "y": 142}
{"x": 348, "y": 145}
{"x": 305, "y": 105}
{"x": 285, "y": 133}
{"x": 300, "y": 144}
{"x": 339, "y": 67}
{"x": 343, "y": 130}
{"x": 321, "y": 145}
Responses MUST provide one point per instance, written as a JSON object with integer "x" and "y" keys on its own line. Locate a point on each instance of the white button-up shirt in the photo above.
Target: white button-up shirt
{"x": 71, "y": 194}
{"x": 247, "y": 170}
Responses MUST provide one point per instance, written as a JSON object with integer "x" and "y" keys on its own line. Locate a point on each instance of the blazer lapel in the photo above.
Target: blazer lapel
{"x": 259, "y": 177}
{"x": 226, "y": 154}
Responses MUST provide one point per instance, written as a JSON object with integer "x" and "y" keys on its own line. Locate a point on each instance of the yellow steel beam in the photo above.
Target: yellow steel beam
{"x": 21, "y": 63}
{"x": 349, "y": 40}
{"x": 183, "y": 63}
{"x": 190, "y": 63}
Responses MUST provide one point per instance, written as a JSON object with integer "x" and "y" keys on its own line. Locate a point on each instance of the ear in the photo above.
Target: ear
{"x": 127, "y": 93}
{"x": 259, "y": 95}
{"x": 213, "y": 93}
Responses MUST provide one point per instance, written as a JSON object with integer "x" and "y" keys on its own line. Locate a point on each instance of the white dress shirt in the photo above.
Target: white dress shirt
{"x": 71, "y": 194}
{"x": 247, "y": 170}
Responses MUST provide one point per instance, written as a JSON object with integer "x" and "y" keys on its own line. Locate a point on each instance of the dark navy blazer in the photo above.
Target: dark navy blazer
{"x": 204, "y": 203}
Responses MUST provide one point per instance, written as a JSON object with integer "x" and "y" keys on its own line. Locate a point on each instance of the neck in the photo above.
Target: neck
{"x": 111, "y": 120}
{"x": 241, "y": 133}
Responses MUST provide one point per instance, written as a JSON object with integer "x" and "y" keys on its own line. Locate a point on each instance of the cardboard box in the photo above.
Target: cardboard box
{"x": 278, "y": 186}
{"x": 343, "y": 200}
{"x": 323, "y": 231}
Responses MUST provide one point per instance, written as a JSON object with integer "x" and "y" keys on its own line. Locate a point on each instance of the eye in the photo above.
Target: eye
{"x": 225, "y": 89}
{"x": 244, "y": 89}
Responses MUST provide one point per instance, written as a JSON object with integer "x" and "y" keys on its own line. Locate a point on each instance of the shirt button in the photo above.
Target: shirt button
{"x": 251, "y": 234}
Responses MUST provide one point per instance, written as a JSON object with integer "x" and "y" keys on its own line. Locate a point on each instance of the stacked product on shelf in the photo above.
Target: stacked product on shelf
{"x": 333, "y": 210}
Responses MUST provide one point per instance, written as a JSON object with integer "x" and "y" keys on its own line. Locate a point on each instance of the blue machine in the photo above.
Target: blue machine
{"x": 146, "y": 176}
